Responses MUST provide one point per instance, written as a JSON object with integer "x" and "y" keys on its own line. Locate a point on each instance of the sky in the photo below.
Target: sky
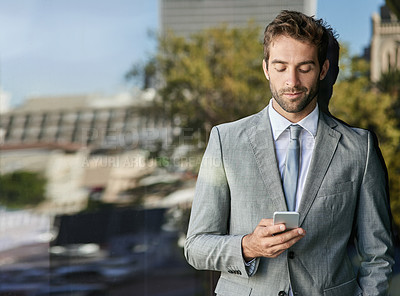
{"x": 59, "y": 47}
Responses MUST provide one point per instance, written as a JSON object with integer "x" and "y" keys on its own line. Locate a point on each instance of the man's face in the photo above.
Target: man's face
{"x": 294, "y": 73}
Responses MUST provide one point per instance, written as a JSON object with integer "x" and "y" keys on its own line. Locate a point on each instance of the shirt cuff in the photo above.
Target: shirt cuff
{"x": 250, "y": 267}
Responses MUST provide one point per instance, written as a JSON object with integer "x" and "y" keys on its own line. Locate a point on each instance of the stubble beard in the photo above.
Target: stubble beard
{"x": 299, "y": 104}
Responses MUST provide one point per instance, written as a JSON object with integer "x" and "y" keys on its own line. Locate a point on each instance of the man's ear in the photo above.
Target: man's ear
{"x": 264, "y": 65}
{"x": 324, "y": 70}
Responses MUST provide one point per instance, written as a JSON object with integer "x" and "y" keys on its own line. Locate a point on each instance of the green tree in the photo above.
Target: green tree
{"x": 394, "y": 6}
{"x": 213, "y": 76}
{"x": 21, "y": 189}
{"x": 389, "y": 83}
{"x": 356, "y": 101}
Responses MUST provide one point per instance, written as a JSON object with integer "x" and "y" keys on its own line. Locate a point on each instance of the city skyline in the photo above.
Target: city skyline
{"x": 74, "y": 47}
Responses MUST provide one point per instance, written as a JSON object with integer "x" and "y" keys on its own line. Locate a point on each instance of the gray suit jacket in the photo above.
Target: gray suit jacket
{"x": 345, "y": 193}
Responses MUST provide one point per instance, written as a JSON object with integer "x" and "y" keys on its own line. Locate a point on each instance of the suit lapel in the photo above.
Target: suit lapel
{"x": 262, "y": 144}
{"x": 325, "y": 146}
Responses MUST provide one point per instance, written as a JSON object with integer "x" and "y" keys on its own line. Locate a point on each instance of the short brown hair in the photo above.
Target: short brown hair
{"x": 301, "y": 27}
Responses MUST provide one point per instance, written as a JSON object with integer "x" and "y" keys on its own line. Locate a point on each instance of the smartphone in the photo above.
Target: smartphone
{"x": 290, "y": 219}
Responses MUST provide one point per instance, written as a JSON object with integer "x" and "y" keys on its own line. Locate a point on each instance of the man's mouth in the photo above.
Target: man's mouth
{"x": 292, "y": 95}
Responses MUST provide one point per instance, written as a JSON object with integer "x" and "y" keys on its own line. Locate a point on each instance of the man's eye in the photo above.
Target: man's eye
{"x": 280, "y": 69}
{"x": 304, "y": 70}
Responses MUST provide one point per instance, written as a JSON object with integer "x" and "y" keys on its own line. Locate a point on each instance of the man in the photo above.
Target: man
{"x": 339, "y": 188}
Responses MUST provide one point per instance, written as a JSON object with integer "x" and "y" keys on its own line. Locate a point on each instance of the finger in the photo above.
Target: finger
{"x": 268, "y": 231}
{"x": 288, "y": 238}
{"x": 266, "y": 222}
{"x": 297, "y": 236}
{"x": 276, "y": 254}
{"x": 278, "y": 228}
{"x": 276, "y": 245}
{"x": 293, "y": 233}
{"x": 288, "y": 244}
{"x": 275, "y": 251}
{"x": 298, "y": 231}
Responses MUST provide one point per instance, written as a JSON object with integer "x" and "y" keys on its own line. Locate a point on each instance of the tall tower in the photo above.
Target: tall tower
{"x": 385, "y": 44}
{"x": 185, "y": 17}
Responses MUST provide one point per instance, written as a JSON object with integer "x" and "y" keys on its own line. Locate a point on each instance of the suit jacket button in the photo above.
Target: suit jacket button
{"x": 291, "y": 255}
{"x": 282, "y": 293}
{"x": 239, "y": 272}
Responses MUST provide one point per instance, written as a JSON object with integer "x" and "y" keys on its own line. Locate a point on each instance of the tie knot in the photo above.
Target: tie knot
{"x": 295, "y": 131}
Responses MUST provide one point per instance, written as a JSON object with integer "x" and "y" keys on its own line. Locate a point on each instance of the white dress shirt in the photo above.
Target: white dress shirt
{"x": 280, "y": 131}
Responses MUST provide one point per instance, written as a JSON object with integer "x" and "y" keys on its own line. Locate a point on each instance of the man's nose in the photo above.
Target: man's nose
{"x": 292, "y": 78}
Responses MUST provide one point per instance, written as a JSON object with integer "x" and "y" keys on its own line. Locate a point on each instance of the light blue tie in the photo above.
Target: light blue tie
{"x": 291, "y": 172}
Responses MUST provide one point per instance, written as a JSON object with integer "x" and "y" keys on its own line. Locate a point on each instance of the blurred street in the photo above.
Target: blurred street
{"x": 32, "y": 271}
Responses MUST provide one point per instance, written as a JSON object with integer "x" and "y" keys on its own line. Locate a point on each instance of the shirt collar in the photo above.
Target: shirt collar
{"x": 279, "y": 123}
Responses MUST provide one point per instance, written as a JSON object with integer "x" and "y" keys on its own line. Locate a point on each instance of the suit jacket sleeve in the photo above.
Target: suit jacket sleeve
{"x": 209, "y": 246}
{"x": 373, "y": 224}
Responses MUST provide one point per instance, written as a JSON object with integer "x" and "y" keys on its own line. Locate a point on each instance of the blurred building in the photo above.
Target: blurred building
{"x": 385, "y": 44}
{"x": 83, "y": 142}
{"x": 185, "y": 17}
{"x": 88, "y": 120}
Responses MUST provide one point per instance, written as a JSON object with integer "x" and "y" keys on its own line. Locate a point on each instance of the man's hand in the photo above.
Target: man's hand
{"x": 267, "y": 240}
